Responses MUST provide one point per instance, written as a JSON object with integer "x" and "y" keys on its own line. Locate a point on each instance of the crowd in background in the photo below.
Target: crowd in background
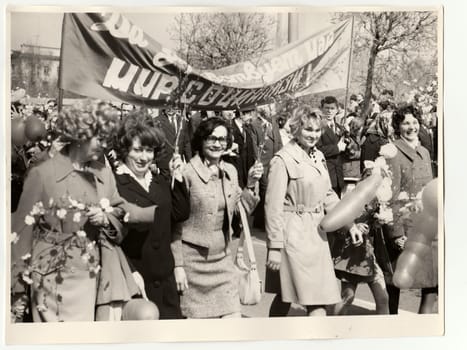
{"x": 189, "y": 170}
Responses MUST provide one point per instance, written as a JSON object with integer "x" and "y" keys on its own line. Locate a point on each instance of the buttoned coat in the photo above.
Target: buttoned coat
{"x": 203, "y": 205}
{"x": 147, "y": 245}
{"x": 411, "y": 171}
{"x": 56, "y": 179}
{"x": 298, "y": 194}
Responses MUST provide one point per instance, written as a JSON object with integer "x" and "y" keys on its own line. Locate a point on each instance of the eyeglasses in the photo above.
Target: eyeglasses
{"x": 213, "y": 139}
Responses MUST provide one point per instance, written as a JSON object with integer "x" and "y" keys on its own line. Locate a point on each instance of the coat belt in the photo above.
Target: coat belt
{"x": 300, "y": 209}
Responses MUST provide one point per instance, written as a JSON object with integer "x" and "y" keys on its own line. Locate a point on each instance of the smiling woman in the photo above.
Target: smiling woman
{"x": 205, "y": 272}
{"x": 148, "y": 245}
{"x": 411, "y": 171}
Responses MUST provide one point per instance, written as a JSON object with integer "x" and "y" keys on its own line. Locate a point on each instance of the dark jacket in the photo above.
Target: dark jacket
{"x": 328, "y": 145}
{"x": 184, "y": 142}
{"x": 426, "y": 140}
{"x": 370, "y": 148}
{"x": 148, "y": 245}
{"x": 246, "y": 152}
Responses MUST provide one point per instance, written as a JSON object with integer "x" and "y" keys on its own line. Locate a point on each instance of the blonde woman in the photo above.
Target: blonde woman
{"x": 300, "y": 267}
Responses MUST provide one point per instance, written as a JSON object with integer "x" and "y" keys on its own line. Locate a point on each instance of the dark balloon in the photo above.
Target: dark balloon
{"x": 430, "y": 197}
{"x": 35, "y": 129}
{"x": 18, "y": 135}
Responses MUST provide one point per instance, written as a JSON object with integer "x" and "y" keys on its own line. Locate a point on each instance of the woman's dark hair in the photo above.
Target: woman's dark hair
{"x": 205, "y": 128}
{"x": 399, "y": 116}
{"x": 138, "y": 124}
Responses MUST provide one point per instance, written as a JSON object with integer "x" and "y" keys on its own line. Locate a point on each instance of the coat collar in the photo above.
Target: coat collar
{"x": 127, "y": 181}
{"x": 64, "y": 167}
{"x": 297, "y": 153}
{"x": 203, "y": 171}
{"x": 409, "y": 151}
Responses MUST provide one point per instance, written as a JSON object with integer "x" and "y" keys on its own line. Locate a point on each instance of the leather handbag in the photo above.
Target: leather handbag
{"x": 250, "y": 284}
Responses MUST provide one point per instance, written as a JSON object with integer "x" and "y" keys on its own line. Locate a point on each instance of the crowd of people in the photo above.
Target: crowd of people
{"x": 121, "y": 215}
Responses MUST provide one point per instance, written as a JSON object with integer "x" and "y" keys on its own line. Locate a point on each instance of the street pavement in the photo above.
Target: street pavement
{"x": 362, "y": 305}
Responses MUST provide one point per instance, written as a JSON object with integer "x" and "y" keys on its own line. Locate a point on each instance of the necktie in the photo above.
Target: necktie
{"x": 173, "y": 120}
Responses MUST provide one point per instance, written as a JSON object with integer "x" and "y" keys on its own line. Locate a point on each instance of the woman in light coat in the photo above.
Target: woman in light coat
{"x": 300, "y": 267}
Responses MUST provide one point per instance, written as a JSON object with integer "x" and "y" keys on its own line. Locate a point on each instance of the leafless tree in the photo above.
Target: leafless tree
{"x": 392, "y": 44}
{"x": 215, "y": 40}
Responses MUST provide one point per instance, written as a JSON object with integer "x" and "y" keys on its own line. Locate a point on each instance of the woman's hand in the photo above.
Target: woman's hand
{"x": 140, "y": 283}
{"x": 274, "y": 259}
{"x": 232, "y": 151}
{"x": 400, "y": 242}
{"x": 254, "y": 174}
{"x": 356, "y": 233}
{"x": 180, "y": 279}
{"x": 97, "y": 217}
{"x": 176, "y": 166}
{"x": 19, "y": 305}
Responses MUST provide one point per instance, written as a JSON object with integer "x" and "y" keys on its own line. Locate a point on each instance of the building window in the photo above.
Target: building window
{"x": 46, "y": 70}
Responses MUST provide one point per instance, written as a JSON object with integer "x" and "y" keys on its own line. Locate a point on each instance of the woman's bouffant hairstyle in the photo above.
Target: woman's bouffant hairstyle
{"x": 205, "y": 128}
{"x": 138, "y": 124}
{"x": 303, "y": 116}
{"x": 399, "y": 116}
{"x": 81, "y": 122}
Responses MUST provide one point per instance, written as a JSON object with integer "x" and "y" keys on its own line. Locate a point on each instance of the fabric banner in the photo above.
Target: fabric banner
{"x": 105, "y": 56}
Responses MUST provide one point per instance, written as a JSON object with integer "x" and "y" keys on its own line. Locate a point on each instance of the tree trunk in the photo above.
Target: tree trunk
{"x": 369, "y": 80}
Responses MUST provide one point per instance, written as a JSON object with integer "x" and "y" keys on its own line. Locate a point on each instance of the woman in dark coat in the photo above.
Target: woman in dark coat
{"x": 147, "y": 246}
{"x": 411, "y": 171}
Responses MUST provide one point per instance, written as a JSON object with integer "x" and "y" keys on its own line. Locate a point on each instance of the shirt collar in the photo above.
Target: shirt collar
{"x": 144, "y": 182}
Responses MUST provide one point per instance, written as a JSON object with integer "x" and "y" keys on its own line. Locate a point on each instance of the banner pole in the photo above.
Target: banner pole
{"x": 349, "y": 68}
{"x": 60, "y": 69}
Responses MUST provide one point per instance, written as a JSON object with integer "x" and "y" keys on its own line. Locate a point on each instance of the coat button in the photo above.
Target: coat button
{"x": 157, "y": 284}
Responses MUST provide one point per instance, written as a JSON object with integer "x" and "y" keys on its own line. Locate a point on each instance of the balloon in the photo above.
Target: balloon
{"x": 352, "y": 204}
{"x": 35, "y": 129}
{"x": 412, "y": 265}
{"x": 140, "y": 309}
{"x": 430, "y": 197}
{"x": 18, "y": 136}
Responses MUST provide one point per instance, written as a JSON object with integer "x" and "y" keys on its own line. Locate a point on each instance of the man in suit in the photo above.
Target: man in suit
{"x": 244, "y": 155}
{"x": 171, "y": 121}
{"x": 428, "y": 138}
{"x": 332, "y": 143}
{"x": 244, "y": 138}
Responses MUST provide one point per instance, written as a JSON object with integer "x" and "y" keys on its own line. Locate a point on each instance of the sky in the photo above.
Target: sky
{"x": 44, "y": 29}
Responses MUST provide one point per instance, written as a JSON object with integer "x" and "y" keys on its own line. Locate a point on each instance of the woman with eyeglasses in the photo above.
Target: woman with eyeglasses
{"x": 204, "y": 268}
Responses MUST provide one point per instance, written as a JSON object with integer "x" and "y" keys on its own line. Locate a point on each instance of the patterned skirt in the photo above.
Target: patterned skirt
{"x": 212, "y": 282}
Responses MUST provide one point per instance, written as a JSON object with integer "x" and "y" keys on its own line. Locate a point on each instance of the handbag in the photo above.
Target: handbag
{"x": 250, "y": 284}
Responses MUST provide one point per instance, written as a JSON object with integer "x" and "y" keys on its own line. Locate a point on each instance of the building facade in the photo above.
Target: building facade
{"x": 35, "y": 69}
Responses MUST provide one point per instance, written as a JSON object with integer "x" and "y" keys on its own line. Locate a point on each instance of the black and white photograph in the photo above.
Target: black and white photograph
{"x": 179, "y": 169}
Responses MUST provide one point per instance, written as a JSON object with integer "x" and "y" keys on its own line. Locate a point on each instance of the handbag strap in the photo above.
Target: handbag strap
{"x": 246, "y": 236}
